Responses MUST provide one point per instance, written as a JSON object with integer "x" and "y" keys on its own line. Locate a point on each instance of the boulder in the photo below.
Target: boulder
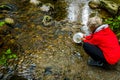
{"x": 110, "y": 6}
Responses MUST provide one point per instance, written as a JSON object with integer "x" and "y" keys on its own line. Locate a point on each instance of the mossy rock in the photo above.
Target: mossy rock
{"x": 110, "y": 6}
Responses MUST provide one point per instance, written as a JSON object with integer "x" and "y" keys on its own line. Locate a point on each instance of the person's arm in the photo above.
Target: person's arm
{"x": 91, "y": 39}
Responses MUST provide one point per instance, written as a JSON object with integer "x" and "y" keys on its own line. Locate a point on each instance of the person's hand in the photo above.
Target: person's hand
{"x": 83, "y": 38}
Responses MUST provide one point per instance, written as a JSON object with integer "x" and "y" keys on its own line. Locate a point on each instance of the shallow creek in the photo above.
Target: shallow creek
{"x": 48, "y": 52}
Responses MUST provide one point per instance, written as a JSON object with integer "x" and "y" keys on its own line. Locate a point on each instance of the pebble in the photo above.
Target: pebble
{"x": 9, "y": 21}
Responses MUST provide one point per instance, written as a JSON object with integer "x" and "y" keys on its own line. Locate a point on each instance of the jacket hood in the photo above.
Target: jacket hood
{"x": 101, "y": 27}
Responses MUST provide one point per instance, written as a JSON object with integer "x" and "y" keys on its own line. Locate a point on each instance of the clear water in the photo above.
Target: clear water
{"x": 85, "y": 16}
{"x": 79, "y": 10}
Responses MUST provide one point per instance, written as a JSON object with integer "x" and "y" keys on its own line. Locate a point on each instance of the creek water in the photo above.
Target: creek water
{"x": 79, "y": 10}
{"x": 49, "y": 52}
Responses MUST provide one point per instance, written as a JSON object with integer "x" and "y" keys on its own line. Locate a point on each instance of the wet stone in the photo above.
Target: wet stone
{"x": 66, "y": 78}
{"x": 32, "y": 66}
{"x": 2, "y": 16}
{"x": 16, "y": 77}
{"x": 9, "y": 7}
{"x": 47, "y": 20}
{"x": 1, "y": 75}
{"x": 48, "y": 71}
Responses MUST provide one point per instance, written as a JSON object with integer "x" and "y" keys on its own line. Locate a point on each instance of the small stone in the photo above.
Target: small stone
{"x": 35, "y": 2}
{"x": 1, "y": 75}
{"x": 48, "y": 71}
{"x": 9, "y": 21}
{"x": 47, "y": 20}
{"x": 1, "y": 16}
{"x": 32, "y": 66}
{"x": 45, "y": 8}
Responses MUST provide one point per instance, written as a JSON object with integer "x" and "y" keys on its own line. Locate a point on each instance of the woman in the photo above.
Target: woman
{"x": 102, "y": 44}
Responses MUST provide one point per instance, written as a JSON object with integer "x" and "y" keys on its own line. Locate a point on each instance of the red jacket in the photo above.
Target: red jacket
{"x": 107, "y": 41}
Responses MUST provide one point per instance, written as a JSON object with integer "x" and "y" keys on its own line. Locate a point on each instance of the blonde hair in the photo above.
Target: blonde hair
{"x": 94, "y": 22}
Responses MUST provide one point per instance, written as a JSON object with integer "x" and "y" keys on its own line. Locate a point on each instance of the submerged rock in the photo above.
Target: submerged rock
{"x": 2, "y": 16}
{"x": 35, "y": 2}
{"x": 16, "y": 77}
{"x": 9, "y": 21}
{"x": 9, "y": 7}
{"x": 47, "y": 20}
{"x": 48, "y": 71}
{"x": 1, "y": 75}
{"x": 47, "y": 7}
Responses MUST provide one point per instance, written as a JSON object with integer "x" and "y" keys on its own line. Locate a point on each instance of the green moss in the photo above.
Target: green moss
{"x": 2, "y": 23}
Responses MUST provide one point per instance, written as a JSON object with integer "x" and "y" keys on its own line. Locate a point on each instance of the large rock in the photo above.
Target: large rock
{"x": 110, "y": 6}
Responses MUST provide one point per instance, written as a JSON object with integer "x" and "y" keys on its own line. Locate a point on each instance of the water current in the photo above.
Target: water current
{"x": 79, "y": 10}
